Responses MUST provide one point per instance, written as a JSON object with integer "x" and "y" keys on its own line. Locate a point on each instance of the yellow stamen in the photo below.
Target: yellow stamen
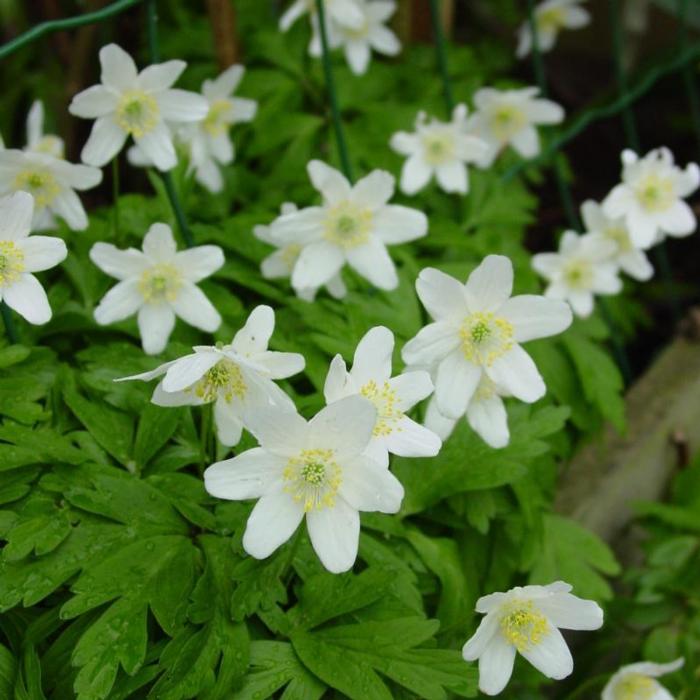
{"x": 219, "y": 117}
{"x": 11, "y": 263}
{"x": 161, "y": 282}
{"x": 485, "y": 337}
{"x": 348, "y": 225}
{"x": 524, "y": 626}
{"x": 137, "y": 113}
{"x": 313, "y": 478}
{"x": 384, "y": 399}
{"x": 635, "y": 686}
{"x": 224, "y": 380}
{"x": 655, "y": 193}
{"x": 41, "y": 184}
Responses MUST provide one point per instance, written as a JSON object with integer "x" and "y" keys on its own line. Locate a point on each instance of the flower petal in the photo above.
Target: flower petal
{"x": 120, "y": 264}
{"x": 193, "y": 307}
{"x": 410, "y": 439}
{"x": 415, "y": 174}
{"x": 158, "y": 146}
{"x": 187, "y": 370}
{"x": 42, "y": 252}
{"x": 490, "y": 284}
{"x": 159, "y": 244}
{"x": 255, "y": 335}
{"x": 398, "y": 224}
{"x": 229, "y": 425}
{"x": 369, "y": 487}
{"x": 344, "y": 426}
{"x": 455, "y": 384}
{"x": 182, "y": 106}
{"x": 118, "y": 68}
{"x": 488, "y": 419}
{"x": 96, "y": 101}
{"x": 373, "y": 354}
{"x": 452, "y": 177}
{"x": 68, "y": 206}
{"x": 374, "y": 263}
{"x": 334, "y": 388}
{"x": 248, "y": 475}
{"x": 496, "y": 665}
{"x": 476, "y": 645}
{"x": 534, "y": 316}
{"x": 156, "y": 323}
{"x": 432, "y": 343}
{"x": 120, "y": 302}
{"x": 279, "y": 431}
{"x": 411, "y": 387}
{"x": 200, "y": 262}
{"x": 160, "y": 76}
{"x": 281, "y": 365}
{"x": 317, "y": 263}
{"x": 551, "y": 655}
{"x": 329, "y": 182}
{"x": 516, "y": 373}
{"x": 105, "y": 141}
{"x": 442, "y": 295}
{"x": 28, "y": 298}
{"x": 570, "y": 612}
{"x": 374, "y": 190}
{"x": 335, "y": 535}
{"x": 16, "y": 213}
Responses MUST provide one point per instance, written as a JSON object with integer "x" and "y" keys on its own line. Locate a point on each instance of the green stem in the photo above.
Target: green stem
{"x": 688, "y": 75}
{"x": 12, "y": 335}
{"x": 152, "y": 30}
{"x": 205, "y": 430}
{"x": 441, "y": 52}
{"x": 115, "y": 199}
{"x": 332, "y": 94}
{"x": 62, "y": 24}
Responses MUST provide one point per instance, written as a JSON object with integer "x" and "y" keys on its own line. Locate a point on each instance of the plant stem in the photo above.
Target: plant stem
{"x": 441, "y": 53}
{"x": 12, "y": 335}
{"x": 205, "y": 434}
{"x": 332, "y": 95}
{"x": 115, "y": 198}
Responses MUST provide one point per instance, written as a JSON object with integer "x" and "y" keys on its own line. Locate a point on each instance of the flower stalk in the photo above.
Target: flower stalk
{"x": 115, "y": 199}
{"x": 441, "y": 53}
{"x": 10, "y": 329}
{"x": 332, "y": 94}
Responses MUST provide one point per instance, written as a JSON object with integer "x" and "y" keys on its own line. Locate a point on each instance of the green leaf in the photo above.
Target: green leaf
{"x": 156, "y": 426}
{"x": 8, "y": 670}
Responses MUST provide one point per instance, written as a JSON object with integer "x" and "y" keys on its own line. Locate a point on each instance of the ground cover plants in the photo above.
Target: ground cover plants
{"x": 305, "y": 319}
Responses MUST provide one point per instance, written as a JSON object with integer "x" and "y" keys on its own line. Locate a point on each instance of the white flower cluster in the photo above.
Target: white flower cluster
{"x": 550, "y": 17}
{"x": 641, "y": 211}
{"x": 356, "y": 26}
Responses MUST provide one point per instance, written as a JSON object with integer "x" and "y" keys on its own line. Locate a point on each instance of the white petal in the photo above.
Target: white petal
{"x": 679, "y": 220}
{"x": 96, "y": 101}
{"x": 383, "y": 40}
{"x": 120, "y": 302}
{"x": 281, "y": 365}
{"x": 105, "y": 141}
{"x": 636, "y": 264}
{"x": 374, "y": 263}
{"x": 405, "y": 143}
{"x": 255, "y": 335}
{"x": 68, "y": 206}
{"x": 410, "y": 439}
{"x": 490, "y": 284}
{"x": 488, "y": 418}
{"x": 476, "y": 645}
{"x": 42, "y": 252}
{"x": 432, "y": 343}
{"x": 653, "y": 670}
{"x": 411, "y": 387}
{"x": 334, "y": 387}
{"x": 225, "y": 84}
{"x": 369, "y": 487}
{"x": 175, "y": 398}
{"x": 193, "y": 307}
{"x": 303, "y": 226}
{"x": 273, "y": 521}
{"x": 534, "y": 316}
{"x": 496, "y": 665}
{"x": 276, "y": 265}
{"x": 279, "y": 431}
{"x": 344, "y": 426}
{"x": 157, "y": 144}
{"x": 374, "y": 190}
{"x": 415, "y": 175}
{"x": 581, "y": 302}
{"x": 248, "y": 475}
{"x": 120, "y": 264}
{"x": 516, "y": 372}
{"x": 398, "y": 224}
{"x": 292, "y": 14}
{"x": 328, "y": 181}
{"x": 200, "y": 262}
{"x": 316, "y": 264}
{"x": 373, "y": 356}
{"x": 16, "y": 213}
{"x": 551, "y": 655}
{"x": 452, "y": 177}
{"x": 118, "y": 68}
{"x": 228, "y": 421}
{"x": 159, "y": 244}
{"x": 357, "y": 54}
{"x": 182, "y": 106}
{"x": 187, "y": 370}
{"x": 160, "y": 76}
{"x": 570, "y": 612}
{"x": 77, "y": 176}
{"x": 545, "y": 112}
{"x": 526, "y": 142}
{"x": 436, "y": 422}
{"x": 156, "y": 323}
{"x": 442, "y": 295}
{"x": 455, "y": 384}
{"x": 335, "y": 535}
{"x": 28, "y": 298}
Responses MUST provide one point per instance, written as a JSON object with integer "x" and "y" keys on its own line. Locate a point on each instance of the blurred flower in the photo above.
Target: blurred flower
{"x": 650, "y": 197}
{"x": 629, "y": 259}
{"x": 236, "y": 378}
{"x": 527, "y": 620}
{"x": 509, "y": 117}
{"x": 551, "y": 16}
{"x": 440, "y": 149}
{"x": 583, "y": 267}
{"x": 280, "y": 264}
{"x": 394, "y": 432}
{"x": 158, "y": 284}
{"x": 477, "y": 330}
{"x": 638, "y": 682}
{"x": 354, "y": 225}
{"x": 52, "y": 182}
{"x": 37, "y": 140}
{"x": 21, "y": 255}
{"x": 129, "y": 103}
{"x": 315, "y": 469}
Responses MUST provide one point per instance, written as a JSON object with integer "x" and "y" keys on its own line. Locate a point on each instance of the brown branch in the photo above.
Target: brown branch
{"x": 222, "y": 18}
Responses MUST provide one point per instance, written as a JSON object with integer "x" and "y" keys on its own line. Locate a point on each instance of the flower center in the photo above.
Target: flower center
{"x": 289, "y": 254}
{"x": 11, "y": 262}
{"x": 218, "y": 118}
{"x": 635, "y": 686}
{"x": 507, "y": 121}
{"x": 619, "y": 235}
{"x": 551, "y": 20}
{"x": 51, "y": 145}
{"x": 439, "y": 147}
{"x": 42, "y": 185}
{"x": 348, "y": 225}
{"x": 161, "y": 282}
{"x": 313, "y": 478}
{"x": 384, "y": 399}
{"x": 224, "y": 380}
{"x": 485, "y": 338}
{"x": 655, "y": 193}
{"x": 137, "y": 113}
{"x": 578, "y": 274}
{"x": 524, "y": 626}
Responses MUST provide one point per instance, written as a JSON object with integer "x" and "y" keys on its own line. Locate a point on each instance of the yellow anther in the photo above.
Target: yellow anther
{"x": 348, "y": 225}
{"x": 485, "y": 337}
{"x": 41, "y": 184}
{"x": 524, "y": 626}
{"x": 385, "y": 401}
{"x": 551, "y": 19}
{"x": 11, "y": 262}
{"x": 137, "y": 113}
{"x": 507, "y": 120}
{"x": 161, "y": 282}
{"x": 219, "y": 117}
{"x": 223, "y": 381}
{"x": 439, "y": 146}
{"x": 578, "y": 274}
{"x": 313, "y": 478}
{"x": 635, "y": 686}
{"x": 655, "y": 193}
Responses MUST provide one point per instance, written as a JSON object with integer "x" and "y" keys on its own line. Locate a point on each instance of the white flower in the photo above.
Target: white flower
{"x": 551, "y": 16}
{"x": 650, "y": 197}
{"x": 158, "y": 284}
{"x": 527, "y": 620}
{"x": 629, "y": 259}
{"x": 440, "y": 149}
{"x": 316, "y": 469}
{"x": 52, "y": 182}
{"x": 354, "y": 225}
{"x": 37, "y": 140}
{"x": 394, "y": 432}
{"x": 358, "y": 42}
{"x": 477, "y": 330}
{"x": 582, "y": 267}
{"x": 486, "y": 415}
{"x": 638, "y": 682}
{"x": 129, "y": 103}
{"x": 280, "y": 264}
{"x": 237, "y": 378}
{"x": 21, "y": 255}
{"x": 509, "y": 117}
{"x": 209, "y": 140}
